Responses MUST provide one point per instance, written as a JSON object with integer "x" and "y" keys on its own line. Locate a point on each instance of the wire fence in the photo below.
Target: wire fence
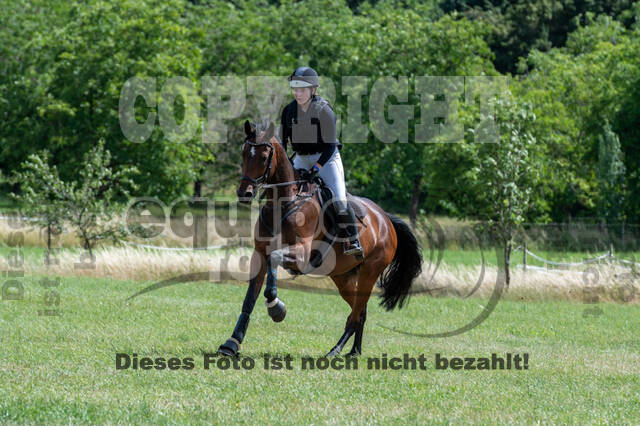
{"x": 607, "y": 257}
{"x": 234, "y": 244}
{"x": 550, "y": 236}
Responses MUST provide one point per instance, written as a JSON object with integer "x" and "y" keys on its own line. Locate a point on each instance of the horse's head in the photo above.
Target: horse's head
{"x": 258, "y": 159}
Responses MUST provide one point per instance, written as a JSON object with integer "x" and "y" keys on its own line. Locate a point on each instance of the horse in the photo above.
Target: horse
{"x": 288, "y": 228}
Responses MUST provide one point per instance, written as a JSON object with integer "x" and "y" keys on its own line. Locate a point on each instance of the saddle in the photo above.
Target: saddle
{"x": 325, "y": 195}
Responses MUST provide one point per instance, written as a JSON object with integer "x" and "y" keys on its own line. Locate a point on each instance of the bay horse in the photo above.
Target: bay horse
{"x": 288, "y": 228}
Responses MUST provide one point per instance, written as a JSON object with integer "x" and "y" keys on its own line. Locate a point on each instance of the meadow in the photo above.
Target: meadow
{"x": 583, "y": 356}
{"x": 61, "y": 369}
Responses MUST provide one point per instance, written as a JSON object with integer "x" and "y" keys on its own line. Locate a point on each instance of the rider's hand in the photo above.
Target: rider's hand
{"x": 312, "y": 173}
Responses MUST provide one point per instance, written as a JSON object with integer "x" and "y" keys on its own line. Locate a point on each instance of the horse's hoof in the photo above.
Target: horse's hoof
{"x": 228, "y": 348}
{"x": 333, "y": 352}
{"x": 353, "y": 353}
{"x": 277, "y": 311}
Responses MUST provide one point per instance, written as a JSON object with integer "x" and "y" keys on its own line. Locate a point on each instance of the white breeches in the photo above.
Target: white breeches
{"x": 332, "y": 173}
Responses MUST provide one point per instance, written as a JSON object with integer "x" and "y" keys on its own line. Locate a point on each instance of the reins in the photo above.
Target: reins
{"x": 261, "y": 184}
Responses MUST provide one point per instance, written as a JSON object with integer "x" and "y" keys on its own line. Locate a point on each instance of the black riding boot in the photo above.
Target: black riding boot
{"x": 348, "y": 223}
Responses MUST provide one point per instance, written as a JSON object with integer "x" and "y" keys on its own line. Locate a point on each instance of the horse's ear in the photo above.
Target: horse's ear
{"x": 271, "y": 130}
{"x": 248, "y": 129}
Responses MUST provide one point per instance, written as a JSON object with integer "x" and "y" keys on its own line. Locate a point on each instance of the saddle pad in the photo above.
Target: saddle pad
{"x": 355, "y": 202}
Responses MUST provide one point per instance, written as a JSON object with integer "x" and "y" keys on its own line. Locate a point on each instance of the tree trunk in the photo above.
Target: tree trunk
{"x": 87, "y": 246}
{"x": 48, "y": 245}
{"x": 507, "y": 263}
{"x": 415, "y": 200}
{"x": 197, "y": 188}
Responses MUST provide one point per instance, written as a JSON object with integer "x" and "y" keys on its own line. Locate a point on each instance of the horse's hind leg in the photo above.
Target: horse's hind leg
{"x": 368, "y": 274}
{"x": 347, "y": 287}
{"x": 357, "y": 340}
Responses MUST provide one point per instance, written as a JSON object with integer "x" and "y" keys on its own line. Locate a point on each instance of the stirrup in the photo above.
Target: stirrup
{"x": 353, "y": 247}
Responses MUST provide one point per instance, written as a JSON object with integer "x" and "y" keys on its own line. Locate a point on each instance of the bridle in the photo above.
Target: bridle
{"x": 261, "y": 181}
{"x": 267, "y": 171}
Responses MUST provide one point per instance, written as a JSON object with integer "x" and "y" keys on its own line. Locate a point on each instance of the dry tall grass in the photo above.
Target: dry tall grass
{"x": 603, "y": 282}
{"x": 31, "y": 236}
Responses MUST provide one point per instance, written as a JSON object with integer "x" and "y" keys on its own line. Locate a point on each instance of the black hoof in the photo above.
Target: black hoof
{"x": 228, "y": 348}
{"x": 278, "y": 311}
{"x": 353, "y": 353}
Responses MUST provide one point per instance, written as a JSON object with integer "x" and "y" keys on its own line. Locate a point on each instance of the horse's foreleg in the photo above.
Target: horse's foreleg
{"x": 289, "y": 257}
{"x": 276, "y": 307}
{"x": 292, "y": 256}
{"x": 257, "y": 273}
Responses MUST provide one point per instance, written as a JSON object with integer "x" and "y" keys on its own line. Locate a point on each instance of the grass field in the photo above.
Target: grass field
{"x": 62, "y": 369}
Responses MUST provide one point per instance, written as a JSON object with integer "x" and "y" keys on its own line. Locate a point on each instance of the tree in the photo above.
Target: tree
{"x": 92, "y": 205}
{"x": 611, "y": 173}
{"x": 43, "y": 195}
{"x": 520, "y": 26}
{"x": 506, "y": 172}
{"x": 574, "y": 90}
{"x": 62, "y": 76}
{"x": 398, "y": 42}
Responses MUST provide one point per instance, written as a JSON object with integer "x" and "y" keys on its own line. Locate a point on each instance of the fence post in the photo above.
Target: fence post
{"x": 610, "y": 252}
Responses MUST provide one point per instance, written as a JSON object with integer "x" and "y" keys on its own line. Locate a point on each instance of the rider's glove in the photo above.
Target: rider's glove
{"x": 312, "y": 173}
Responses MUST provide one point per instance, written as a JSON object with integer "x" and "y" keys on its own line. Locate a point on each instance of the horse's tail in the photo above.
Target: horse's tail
{"x": 404, "y": 268}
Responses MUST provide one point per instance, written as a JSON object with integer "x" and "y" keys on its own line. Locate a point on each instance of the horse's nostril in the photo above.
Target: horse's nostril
{"x": 248, "y": 194}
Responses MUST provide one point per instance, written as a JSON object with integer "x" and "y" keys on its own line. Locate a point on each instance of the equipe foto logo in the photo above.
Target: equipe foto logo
{"x": 227, "y": 266}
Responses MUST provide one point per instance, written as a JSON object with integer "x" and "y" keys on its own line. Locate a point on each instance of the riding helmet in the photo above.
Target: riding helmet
{"x": 304, "y": 77}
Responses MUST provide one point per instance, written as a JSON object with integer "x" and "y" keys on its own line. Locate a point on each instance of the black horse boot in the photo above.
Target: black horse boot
{"x": 347, "y": 222}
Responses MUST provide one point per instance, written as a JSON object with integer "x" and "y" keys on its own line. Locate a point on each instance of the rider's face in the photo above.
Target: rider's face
{"x": 302, "y": 94}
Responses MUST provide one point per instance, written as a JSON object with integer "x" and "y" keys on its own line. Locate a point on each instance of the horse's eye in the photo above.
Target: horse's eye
{"x": 264, "y": 159}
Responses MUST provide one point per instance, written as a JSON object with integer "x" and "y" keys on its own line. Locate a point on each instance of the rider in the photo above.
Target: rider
{"x": 309, "y": 122}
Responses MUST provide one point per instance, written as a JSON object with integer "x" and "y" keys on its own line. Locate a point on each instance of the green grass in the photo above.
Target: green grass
{"x": 33, "y": 255}
{"x": 62, "y": 369}
{"x": 7, "y": 204}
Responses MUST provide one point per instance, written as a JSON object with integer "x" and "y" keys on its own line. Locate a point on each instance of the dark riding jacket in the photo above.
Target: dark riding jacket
{"x": 310, "y": 132}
